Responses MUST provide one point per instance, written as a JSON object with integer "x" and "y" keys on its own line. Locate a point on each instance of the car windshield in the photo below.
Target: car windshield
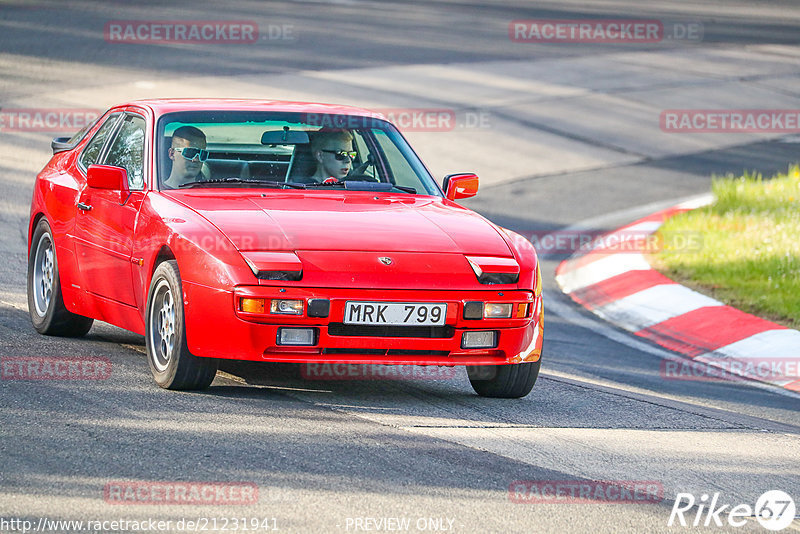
{"x": 207, "y": 149}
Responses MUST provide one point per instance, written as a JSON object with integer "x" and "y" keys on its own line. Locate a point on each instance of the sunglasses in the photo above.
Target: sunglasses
{"x": 191, "y": 153}
{"x": 341, "y": 155}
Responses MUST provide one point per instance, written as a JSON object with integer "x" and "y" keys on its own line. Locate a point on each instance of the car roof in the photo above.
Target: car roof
{"x": 161, "y": 106}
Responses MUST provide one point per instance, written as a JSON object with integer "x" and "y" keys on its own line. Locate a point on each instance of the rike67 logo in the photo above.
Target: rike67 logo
{"x": 774, "y": 510}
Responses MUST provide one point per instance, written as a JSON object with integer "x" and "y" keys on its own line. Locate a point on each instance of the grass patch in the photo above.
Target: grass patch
{"x": 749, "y": 255}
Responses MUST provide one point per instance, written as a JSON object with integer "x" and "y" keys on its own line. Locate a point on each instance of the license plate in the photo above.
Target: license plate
{"x": 395, "y": 313}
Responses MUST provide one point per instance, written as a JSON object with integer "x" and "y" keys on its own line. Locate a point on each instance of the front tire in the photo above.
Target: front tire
{"x": 171, "y": 363}
{"x": 504, "y": 381}
{"x": 46, "y": 306}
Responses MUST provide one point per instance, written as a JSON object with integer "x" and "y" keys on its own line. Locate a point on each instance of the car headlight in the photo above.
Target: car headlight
{"x": 497, "y": 310}
{"x": 274, "y": 265}
{"x": 286, "y": 306}
{"x": 491, "y": 271}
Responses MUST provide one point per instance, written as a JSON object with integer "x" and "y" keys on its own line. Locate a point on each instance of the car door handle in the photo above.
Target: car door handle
{"x": 84, "y": 207}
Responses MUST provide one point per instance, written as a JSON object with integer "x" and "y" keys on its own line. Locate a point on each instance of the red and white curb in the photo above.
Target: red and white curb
{"x": 621, "y": 287}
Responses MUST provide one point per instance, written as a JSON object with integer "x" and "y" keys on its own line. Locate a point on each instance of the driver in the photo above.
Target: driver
{"x": 333, "y": 152}
{"x": 187, "y": 153}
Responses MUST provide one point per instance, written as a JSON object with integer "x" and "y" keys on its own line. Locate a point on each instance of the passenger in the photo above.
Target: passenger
{"x": 187, "y": 152}
{"x": 333, "y": 153}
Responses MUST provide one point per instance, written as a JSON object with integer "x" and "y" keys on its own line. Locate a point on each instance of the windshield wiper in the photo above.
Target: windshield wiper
{"x": 406, "y": 189}
{"x": 363, "y": 185}
{"x": 234, "y": 180}
{"x": 329, "y": 183}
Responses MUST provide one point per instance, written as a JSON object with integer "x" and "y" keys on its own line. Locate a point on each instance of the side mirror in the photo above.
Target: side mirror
{"x": 107, "y": 177}
{"x": 463, "y": 185}
{"x": 61, "y": 144}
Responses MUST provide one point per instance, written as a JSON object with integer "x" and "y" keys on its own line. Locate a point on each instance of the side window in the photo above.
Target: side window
{"x": 127, "y": 150}
{"x": 92, "y": 150}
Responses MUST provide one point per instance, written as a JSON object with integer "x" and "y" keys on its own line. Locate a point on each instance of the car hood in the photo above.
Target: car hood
{"x": 339, "y": 221}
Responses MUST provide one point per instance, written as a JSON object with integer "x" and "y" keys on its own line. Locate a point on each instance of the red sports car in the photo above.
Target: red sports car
{"x": 281, "y": 232}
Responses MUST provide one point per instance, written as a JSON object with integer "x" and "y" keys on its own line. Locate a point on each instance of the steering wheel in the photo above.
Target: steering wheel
{"x": 363, "y": 166}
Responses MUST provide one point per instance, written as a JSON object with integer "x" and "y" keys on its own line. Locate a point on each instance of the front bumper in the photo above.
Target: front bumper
{"x": 215, "y": 328}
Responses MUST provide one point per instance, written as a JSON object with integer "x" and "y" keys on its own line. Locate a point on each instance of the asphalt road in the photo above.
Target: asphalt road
{"x": 570, "y": 134}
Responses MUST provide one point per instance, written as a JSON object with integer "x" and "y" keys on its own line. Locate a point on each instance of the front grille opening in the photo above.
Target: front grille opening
{"x": 355, "y": 330}
{"x": 364, "y": 352}
{"x": 418, "y": 353}
{"x": 390, "y": 352}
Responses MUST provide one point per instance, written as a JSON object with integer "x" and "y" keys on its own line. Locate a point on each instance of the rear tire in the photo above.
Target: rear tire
{"x": 45, "y": 301}
{"x": 171, "y": 363}
{"x": 504, "y": 381}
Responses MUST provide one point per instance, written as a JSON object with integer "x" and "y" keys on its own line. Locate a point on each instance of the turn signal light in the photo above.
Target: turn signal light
{"x": 251, "y": 305}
